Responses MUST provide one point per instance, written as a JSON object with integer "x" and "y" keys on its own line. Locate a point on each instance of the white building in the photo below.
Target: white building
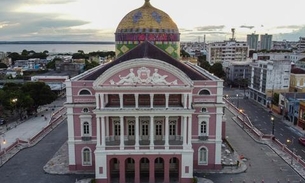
{"x": 269, "y": 77}
{"x": 227, "y": 51}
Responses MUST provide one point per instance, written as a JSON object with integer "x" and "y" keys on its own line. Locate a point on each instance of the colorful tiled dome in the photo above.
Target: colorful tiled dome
{"x": 147, "y": 23}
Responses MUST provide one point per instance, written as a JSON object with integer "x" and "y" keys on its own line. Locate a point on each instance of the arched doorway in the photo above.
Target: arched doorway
{"x": 129, "y": 170}
{"x": 114, "y": 165}
{"x": 174, "y": 169}
{"x": 159, "y": 169}
{"x": 144, "y": 170}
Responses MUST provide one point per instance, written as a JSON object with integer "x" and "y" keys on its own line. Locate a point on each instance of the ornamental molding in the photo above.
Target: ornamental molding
{"x": 143, "y": 77}
{"x": 147, "y": 74}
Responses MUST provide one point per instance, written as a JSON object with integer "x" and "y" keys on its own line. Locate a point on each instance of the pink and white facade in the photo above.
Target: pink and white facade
{"x": 144, "y": 118}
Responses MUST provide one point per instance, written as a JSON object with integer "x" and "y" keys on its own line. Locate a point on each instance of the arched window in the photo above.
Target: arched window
{"x": 203, "y": 155}
{"x": 86, "y": 128}
{"x": 84, "y": 92}
{"x": 203, "y": 128}
{"x": 204, "y": 92}
{"x": 86, "y": 156}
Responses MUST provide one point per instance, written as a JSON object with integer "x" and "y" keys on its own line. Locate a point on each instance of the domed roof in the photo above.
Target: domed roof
{"x": 147, "y": 19}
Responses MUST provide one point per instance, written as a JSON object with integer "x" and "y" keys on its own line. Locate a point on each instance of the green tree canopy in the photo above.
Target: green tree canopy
{"x": 217, "y": 70}
{"x": 90, "y": 65}
{"x": 3, "y": 65}
{"x": 40, "y": 93}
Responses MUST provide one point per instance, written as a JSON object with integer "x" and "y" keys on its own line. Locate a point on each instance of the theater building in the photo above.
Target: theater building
{"x": 146, "y": 116}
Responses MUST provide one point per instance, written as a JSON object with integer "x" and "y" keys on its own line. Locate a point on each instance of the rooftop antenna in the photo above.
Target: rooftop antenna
{"x": 233, "y": 34}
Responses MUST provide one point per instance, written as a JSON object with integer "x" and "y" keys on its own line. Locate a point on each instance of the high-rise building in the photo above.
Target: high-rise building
{"x": 252, "y": 41}
{"x": 145, "y": 116}
{"x": 227, "y": 51}
{"x": 265, "y": 42}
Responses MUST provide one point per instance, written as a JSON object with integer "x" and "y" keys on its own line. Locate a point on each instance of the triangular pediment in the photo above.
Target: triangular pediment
{"x": 143, "y": 72}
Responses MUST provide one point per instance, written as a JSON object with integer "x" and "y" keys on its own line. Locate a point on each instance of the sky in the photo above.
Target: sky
{"x": 96, "y": 20}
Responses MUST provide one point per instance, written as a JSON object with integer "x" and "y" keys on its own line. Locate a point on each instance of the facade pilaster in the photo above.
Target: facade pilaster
{"x": 185, "y": 101}
{"x": 121, "y": 100}
{"x": 151, "y": 133}
{"x": 189, "y": 142}
{"x": 137, "y": 133}
{"x": 136, "y": 96}
{"x": 190, "y": 101}
{"x": 97, "y": 103}
{"x": 103, "y": 132}
{"x": 184, "y": 131}
{"x": 166, "y": 100}
{"x": 166, "y": 132}
{"x": 122, "y": 132}
{"x": 102, "y": 105}
{"x": 152, "y": 100}
{"x": 98, "y": 131}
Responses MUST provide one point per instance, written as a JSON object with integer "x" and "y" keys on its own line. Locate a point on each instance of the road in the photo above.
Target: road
{"x": 261, "y": 119}
{"x": 27, "y": 165}
{"x": 265, "y": 163}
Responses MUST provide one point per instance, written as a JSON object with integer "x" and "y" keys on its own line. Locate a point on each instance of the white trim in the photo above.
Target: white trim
{"x": 78, "y": 93}
{"x": 205, "y": 118}
{"x": 83, "y": 119}
{"x": 90, "y": 156}
{"x": 204, "y": 94}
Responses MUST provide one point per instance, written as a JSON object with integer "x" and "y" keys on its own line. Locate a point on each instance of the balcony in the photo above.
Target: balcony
{"x": 86, "y": 138}
{"x": 203, "y": 137}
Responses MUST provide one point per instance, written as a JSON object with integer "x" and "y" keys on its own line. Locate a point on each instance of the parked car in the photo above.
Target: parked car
{"x": 2, "y": 121}
{"x": 302, "y": 140}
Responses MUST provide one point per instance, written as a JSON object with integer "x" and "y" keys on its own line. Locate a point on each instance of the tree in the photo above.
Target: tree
{"x": 217, "y": 70}
{"x": 40, "y": 93}
{"x": 275, "y": 99}
{"x": 3, "y": 65}
{"x": 90, "y": 65}
{"x": 183, "y": 53}
{"x": 206, "y": 65}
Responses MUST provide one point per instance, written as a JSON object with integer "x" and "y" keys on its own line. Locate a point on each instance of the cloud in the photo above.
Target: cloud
{"x": 289, "y": 27}
{"x": 210, "y": 28}
{"x": 247, "y": 26}
{"x": 292, "y": 36}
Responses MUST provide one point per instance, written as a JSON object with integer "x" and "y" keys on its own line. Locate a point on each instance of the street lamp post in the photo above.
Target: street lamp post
{"x": 243, "y": 117}
{"x": 272, "y": 121}
{"x": 293, "y": 149}
{"x": 2, "y": 141}
{"x": 237, "y": 100}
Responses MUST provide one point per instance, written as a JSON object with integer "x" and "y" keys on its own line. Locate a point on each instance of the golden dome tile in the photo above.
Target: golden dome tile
{"x": 147, "y": 19}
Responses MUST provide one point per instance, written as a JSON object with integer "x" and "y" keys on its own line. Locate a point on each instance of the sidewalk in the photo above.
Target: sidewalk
{"x": 22, "y": 131}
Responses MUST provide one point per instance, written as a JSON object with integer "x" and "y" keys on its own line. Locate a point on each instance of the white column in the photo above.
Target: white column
{"x": 185, "y": 101}
{"x": 136, "y": 96}
{"x": 122, "y": 132}
{"x": 97, "y": 101}
{"x": 166, "y": 100}
{"x": 184, "y": 130}
{"x": 107, "y": 126}
{"x": 190, "y": 101}
{"x": 151, "y": 133}
{"x": 166, "y": 132}
{"x": 103, "y": 132}
{"x": 102, "y": 101}
{"x": 189, "y": 142}
{"x": 98, "y": 131}
{"x": 121, "y": 100}
{"x": 137, "y": 132}
{"x": 152, "y": 100}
